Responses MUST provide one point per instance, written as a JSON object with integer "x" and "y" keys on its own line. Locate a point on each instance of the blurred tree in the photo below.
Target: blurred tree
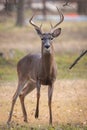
{"x": 29, "y": 3}
{"x": 9, "y": 5}
{"x": 82, "y": 7}
{"x": 20, "y": 13}
{"x": 44, "y": 8}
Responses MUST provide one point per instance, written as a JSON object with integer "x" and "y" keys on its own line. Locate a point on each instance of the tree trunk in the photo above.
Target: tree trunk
{"x": 20, "y": 13}
{"x": 29, "y": 2}
{"x": 82, "y": 7}
{"x": 9, "y": 5}
{"x": 44, "y": 8}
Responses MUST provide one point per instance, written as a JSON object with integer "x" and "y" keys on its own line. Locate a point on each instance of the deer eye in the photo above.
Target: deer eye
{"x": 51, "y": 38}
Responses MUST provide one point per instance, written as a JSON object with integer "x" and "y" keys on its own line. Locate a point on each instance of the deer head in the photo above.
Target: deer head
{"x": 47, "y": 38}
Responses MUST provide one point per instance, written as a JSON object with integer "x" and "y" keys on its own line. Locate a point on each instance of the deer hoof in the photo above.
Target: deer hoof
{"x": 25, "y": 120}
{"x": 36, "y": 115}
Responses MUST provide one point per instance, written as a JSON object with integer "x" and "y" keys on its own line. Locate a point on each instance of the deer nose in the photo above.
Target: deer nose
{"x": 47, "y": 46}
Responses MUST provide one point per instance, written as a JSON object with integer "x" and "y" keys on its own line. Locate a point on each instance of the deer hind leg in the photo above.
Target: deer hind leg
{"x": 50, "y": 92}
{"x": 38, "y": 97}
{"x": 18, "y": 91}
{"x": 26, "y": 90}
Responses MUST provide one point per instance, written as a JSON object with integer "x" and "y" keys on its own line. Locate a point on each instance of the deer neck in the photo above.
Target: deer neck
{"x": 48, "y": 62}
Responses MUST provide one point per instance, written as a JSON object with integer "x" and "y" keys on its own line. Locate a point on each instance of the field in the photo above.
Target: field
{"x": 70, "y": 92}
{"x": 69, "y": 106}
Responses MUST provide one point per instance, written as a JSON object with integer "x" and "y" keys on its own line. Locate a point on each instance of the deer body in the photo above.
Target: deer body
{"x": 37, "y": 67}
{"x": 35, "y": 70}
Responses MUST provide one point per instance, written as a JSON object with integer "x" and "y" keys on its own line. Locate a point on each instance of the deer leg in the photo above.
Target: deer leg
{"x": 18, "y": 91}
{"x": 38, "y": 97}
{"x": 23, "y": 107}
{"x": 50, "y": 92}
{"x": 26, "y": 90}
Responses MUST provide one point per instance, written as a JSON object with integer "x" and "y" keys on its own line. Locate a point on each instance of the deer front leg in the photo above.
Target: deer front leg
{"x": 38, "y": 97}
{"x": 50, "y": 92}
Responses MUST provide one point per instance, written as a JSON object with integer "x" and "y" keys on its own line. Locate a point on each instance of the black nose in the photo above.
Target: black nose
{"x": 47, "y": 46}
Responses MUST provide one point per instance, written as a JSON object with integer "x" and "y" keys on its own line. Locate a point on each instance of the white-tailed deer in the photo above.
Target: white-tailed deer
{"x": 35, "y": 70}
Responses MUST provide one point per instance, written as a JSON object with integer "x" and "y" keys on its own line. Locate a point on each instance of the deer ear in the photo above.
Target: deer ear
{"x": 39, "y": 32}
{"x": 56, "y": 32}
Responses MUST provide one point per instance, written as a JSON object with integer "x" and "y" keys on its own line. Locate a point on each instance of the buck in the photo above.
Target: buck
{"x": 35, "y": 70}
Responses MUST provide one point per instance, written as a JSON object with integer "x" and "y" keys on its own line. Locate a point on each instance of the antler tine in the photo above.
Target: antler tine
{"x": 33, "y": 24}
{"x": 51, "y": 25}
{"x": 41, "y": 25}
{"x": 61, "y": 19}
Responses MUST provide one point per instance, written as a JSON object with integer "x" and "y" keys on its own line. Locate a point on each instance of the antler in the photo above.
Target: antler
{"x": 32, "y": 23}
{"x": 61, "y": 19}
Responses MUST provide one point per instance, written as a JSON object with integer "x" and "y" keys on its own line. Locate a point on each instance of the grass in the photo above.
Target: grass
{"x": 64, "y": 61}
{"x": 8, "y": 67}
{"x": 60, "y": 127}
{"x": 69, "y": 107}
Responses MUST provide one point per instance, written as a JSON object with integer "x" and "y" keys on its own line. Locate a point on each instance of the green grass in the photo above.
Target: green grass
{"x": 78, "y": 71}
{"x": 8, "y": 67}
{"x": 59, "y": 127}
